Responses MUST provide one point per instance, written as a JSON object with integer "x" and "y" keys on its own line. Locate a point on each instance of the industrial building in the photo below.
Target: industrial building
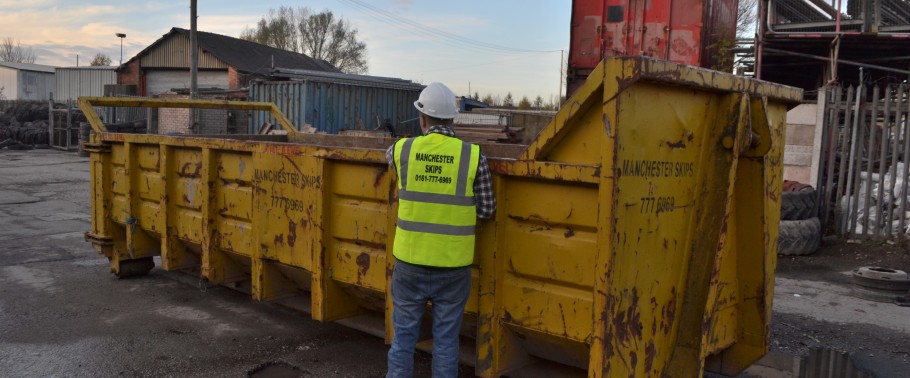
{"x": 73, "y": 82}
{"x": 810, "y": 44}
{"x": 224, "y": 63}
{"x": 26, "y": 81}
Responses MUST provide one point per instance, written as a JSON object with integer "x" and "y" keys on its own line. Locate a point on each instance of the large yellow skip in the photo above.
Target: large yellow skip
{"x": 635, "y": 236}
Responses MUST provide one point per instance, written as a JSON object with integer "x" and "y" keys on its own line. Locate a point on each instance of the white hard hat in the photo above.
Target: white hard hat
{"x": 437, "y": 101}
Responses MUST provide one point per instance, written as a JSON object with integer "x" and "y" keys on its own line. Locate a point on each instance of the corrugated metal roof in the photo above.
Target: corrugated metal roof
{"x": 28, "y": 67}
{"x": 175, "y": 52}
{"x": 111, "y": 68}
{"x": 245, "y": 56}
{"x": 345, "y": 78}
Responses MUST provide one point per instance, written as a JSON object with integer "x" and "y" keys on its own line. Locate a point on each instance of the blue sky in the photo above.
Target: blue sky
{"x": 521, "y": 52}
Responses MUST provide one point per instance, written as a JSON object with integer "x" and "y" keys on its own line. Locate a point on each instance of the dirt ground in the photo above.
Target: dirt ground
{"x": 881, "y": 350}
{"x": 839, "y": 255}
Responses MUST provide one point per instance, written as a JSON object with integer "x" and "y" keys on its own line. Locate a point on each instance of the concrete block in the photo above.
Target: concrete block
{"x": 800, "y": 134}
{"x": 797, "y": 173}
{"x": 798, "y": 155}
{"x": 804, "y": 114}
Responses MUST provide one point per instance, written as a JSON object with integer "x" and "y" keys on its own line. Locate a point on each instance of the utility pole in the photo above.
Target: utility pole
{"x": 194, "y": 66}
{"x": 559, "y": 92}
{"x": 194, "y": 47}
{"x": 121, "y": 36}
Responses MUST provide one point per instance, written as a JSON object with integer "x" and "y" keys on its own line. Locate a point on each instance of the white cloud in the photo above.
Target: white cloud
{"x": 226, "y": 25}
{"x": 18, "y": 4}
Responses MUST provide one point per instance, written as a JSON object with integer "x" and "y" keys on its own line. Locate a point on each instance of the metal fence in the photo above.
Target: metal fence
{"x": 64, "y": 127}
{"x": 64, "y": 123}
{"x": 122, "y": 115}
{"x": 863, "y": 177}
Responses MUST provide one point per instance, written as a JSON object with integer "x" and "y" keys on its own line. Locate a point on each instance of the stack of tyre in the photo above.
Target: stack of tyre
{"x": 800, "y": 229}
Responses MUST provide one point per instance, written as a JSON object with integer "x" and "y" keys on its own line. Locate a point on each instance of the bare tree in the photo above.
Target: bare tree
{"x": 508, "y": 102}
{"x": 745, "y": 18}
{"x": 12, "y": 51}
{"x": 335, "y": 41}
{"x": 100, "y": 60}
{"x": 538, "y": 102}
{"x": 319, "y": 35}
{"x": 278, "y": 29}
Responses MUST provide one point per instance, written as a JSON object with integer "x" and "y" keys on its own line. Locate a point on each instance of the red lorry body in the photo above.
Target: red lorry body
{"x": 693, "y": 32}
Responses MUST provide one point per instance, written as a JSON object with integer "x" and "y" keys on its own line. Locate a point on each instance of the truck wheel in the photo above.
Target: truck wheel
{"x": 799, "y": 204}
{"x": 799, "y": 237}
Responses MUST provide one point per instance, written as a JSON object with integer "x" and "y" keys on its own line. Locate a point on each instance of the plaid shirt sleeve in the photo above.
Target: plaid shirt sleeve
{"x": 483, "y": 190}
{"x": 390, "y": 156}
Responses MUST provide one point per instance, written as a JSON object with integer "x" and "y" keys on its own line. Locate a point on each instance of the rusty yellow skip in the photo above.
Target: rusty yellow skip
{"x": 635, "y": 236}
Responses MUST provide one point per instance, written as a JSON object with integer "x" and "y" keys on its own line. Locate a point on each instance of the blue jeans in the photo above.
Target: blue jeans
{"x": 412, "y": 287}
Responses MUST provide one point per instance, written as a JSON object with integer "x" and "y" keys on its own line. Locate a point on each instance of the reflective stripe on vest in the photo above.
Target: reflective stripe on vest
{"x": 436, "y": 211}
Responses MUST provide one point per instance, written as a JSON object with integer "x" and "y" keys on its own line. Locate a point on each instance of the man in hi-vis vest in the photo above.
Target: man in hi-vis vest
{"x": 444, "y": 185}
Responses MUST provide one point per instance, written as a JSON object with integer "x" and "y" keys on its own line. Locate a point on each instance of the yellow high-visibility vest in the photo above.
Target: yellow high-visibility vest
{"x": 436, "y": 206}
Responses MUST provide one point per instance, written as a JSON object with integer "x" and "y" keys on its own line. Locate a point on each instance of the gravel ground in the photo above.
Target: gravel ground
{"x": 877, "y": 334}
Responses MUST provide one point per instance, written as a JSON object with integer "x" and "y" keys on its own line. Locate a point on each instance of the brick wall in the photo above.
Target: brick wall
{"x": 129, "y": 74}
{"x": 208, "y": 121}
{"x": 233, "y": 78}
{"x": 171, "y": 120}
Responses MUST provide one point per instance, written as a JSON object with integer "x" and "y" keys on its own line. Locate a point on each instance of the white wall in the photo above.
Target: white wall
{"x": 9, "y": 81}
{"x": 72, "y": 83}
{"x": 35, "y": 85}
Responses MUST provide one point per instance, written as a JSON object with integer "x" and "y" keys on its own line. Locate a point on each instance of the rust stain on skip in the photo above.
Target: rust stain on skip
{"x": 565, "y": 327}
{"x": 292, "y": 233}
{"x": 650, "y": 353}
{"x": 681, "y": 143}
{"x": 626, "y": 324}
{"x": 185, "y": 168}
{"x": 380, "y": 173}
{"x": 677, "y": 144}
{"x": 669, "y": 313}
{"x": 363, "y": 263}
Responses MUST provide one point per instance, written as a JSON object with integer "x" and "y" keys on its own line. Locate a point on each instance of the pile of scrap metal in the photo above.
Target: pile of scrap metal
{"x": 485, "y": 128}
{"x": 24, "y": 125}
{"x": 9, "y": 144}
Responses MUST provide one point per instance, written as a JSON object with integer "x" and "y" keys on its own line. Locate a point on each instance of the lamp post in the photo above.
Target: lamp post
{"x": 121, "y": 36}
